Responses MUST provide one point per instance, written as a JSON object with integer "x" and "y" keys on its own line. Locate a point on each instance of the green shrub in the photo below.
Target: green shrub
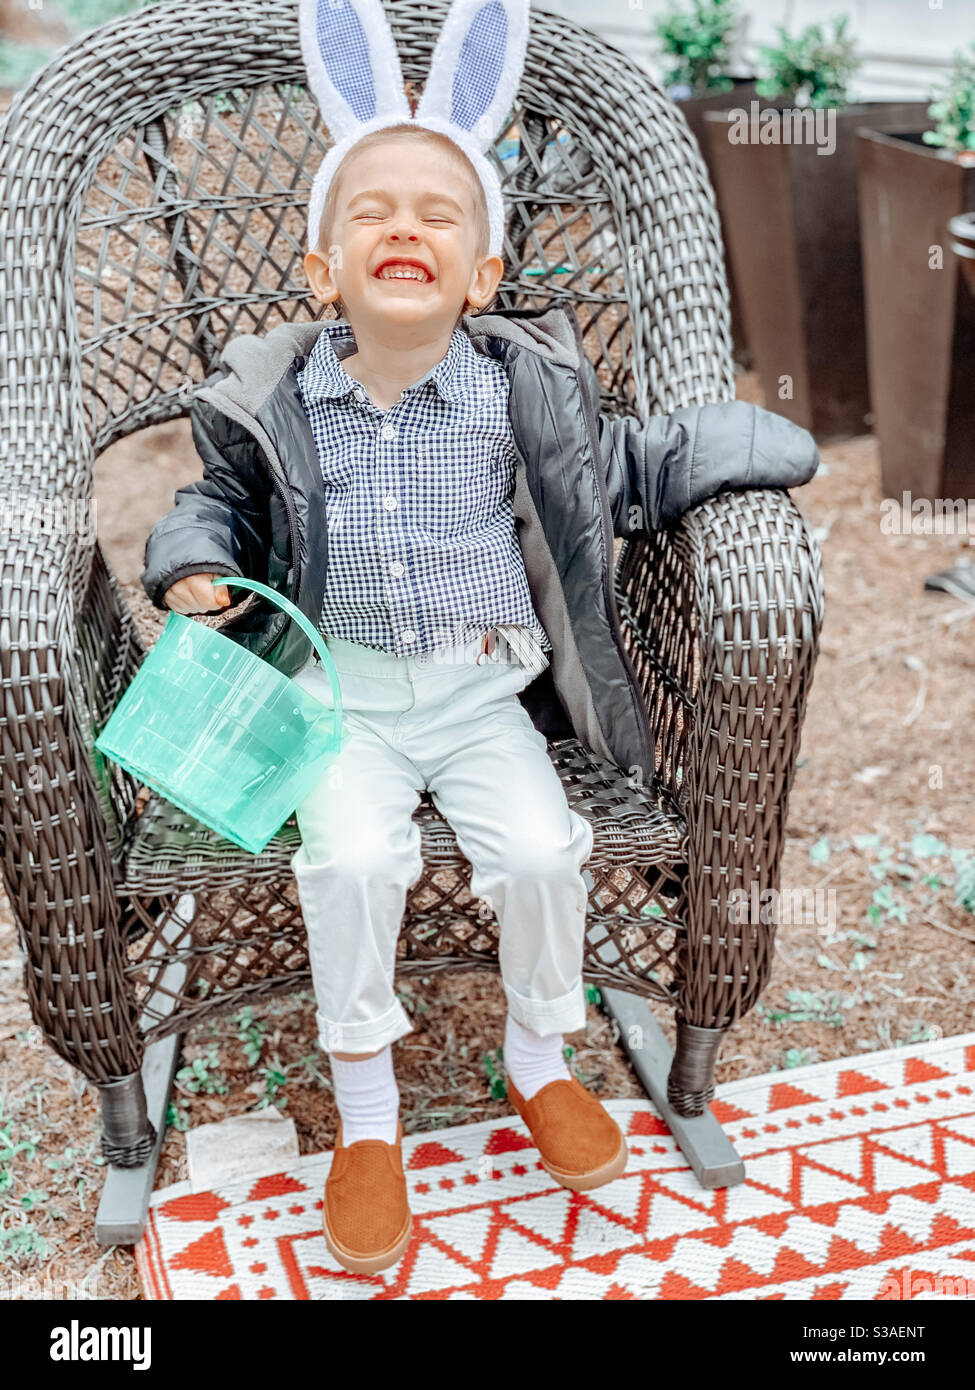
{"x": 811, "y": 69}
{"x": 953, "y": 107}
{"x": 698, "y": 42}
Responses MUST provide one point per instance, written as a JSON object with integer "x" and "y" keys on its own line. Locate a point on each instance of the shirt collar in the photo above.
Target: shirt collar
{"x": 324, "y": 375}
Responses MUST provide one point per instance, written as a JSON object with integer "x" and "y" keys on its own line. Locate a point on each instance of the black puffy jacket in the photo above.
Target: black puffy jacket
{"x": 582, "y": 478}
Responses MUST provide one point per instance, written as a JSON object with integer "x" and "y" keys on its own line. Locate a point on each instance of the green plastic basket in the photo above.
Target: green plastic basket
{"x": 221, "y": 733}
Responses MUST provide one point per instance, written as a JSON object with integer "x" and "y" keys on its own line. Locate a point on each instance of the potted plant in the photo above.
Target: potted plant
{"x": 812, "y": 69}
{"x": 698, "y": 43}
{"x": 920, "y": 310}
{"x": 698, "y": 40}
{"x": 787, "y": 172}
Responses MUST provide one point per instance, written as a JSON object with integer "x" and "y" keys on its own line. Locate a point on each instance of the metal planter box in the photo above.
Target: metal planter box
{"x": 920, "y": 319}
{"x": 793, "y": 230}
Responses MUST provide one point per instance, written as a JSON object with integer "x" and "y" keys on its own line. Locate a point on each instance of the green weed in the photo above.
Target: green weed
{"x": 492, "y": 1064}
{"x": 201, "y": 1076}
{"x": 251, "y": 1035}
{"x": 807, "y": 1005}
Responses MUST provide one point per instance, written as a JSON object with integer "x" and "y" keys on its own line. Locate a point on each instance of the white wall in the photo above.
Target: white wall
{"x": 906, "y": 45}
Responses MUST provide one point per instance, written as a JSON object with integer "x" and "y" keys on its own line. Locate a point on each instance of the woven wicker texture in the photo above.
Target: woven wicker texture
{"x": 152, "y": 201}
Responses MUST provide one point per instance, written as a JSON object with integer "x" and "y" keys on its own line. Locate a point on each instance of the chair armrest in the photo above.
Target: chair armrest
{"x": 722, "y": 614}
{"x": 58, "y": 867}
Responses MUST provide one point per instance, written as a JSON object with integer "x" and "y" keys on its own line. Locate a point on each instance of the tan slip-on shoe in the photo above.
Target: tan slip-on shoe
{"x": 366, "y": 1214}
{"x": 579, "y": 1142}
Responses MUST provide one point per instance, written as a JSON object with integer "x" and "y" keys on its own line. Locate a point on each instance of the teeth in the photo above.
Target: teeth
{"x": 404, "y": 272}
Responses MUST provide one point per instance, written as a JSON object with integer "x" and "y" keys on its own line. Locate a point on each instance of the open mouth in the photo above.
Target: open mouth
{"x": 404, "y": 272}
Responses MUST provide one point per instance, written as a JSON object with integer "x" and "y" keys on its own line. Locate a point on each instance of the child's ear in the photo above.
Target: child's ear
{"x": 489, "y": 274}
{"x": 320, "y": 278}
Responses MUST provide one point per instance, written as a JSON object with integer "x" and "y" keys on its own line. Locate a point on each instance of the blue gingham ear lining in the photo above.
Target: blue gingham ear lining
{"x": 344, "y": 52}
{"x": 479, "y": 66}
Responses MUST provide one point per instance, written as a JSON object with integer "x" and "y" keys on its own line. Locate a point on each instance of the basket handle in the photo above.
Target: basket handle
{"x": 310, "y": 632}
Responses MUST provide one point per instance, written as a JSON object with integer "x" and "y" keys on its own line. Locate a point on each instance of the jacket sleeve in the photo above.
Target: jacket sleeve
{"x": 220, "y": 524}
{"x": 656, "y": 472}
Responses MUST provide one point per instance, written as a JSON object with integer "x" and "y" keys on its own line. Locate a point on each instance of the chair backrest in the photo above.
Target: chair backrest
{"x": 154, "y": 187}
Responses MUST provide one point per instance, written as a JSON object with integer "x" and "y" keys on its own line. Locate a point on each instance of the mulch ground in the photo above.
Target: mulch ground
{"x": 882, "y": 819}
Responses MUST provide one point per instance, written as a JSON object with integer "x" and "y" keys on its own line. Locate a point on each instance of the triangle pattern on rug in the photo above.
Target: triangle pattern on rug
{"x": 544, "y": 1217}
{"x": 782, "y": 1095}
{"x": 464, "y": 1232}
{"x": 855, "y": 1083}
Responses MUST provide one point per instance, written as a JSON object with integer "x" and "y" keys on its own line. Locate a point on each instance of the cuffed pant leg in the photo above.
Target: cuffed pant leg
{"x": 541, "y": 900}
{"x": 353, "y": 921}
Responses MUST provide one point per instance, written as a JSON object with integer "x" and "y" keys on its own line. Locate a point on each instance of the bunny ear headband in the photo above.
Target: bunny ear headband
{"x": 354, "y": 72}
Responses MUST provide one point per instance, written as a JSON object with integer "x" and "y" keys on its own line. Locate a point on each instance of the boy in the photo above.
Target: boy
{"x": 471, "y": 492}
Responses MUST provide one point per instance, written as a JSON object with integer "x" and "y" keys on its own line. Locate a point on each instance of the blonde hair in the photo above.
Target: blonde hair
{"x": 482, "y": 226}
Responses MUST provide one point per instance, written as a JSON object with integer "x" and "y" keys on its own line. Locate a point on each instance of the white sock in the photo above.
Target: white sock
{"x": 532, "y": 1061}
{"x": 367, "y": 1097}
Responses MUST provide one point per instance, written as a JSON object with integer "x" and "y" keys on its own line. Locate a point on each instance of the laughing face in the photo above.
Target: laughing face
{"x": 403, "y": 241}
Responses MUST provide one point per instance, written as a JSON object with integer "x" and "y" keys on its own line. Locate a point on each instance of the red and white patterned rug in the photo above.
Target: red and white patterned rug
{"x": 860, "y": 1184}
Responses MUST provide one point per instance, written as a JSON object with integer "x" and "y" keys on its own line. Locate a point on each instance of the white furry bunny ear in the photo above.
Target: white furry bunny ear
{"x": 476, "y": 67}
{"x": 352, "y": 64}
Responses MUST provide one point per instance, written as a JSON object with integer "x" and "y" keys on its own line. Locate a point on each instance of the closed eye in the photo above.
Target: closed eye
{"x": 447, "y": 221}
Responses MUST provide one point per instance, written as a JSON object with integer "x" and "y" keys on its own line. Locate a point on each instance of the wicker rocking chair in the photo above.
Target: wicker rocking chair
{"x": 154, "y": 181}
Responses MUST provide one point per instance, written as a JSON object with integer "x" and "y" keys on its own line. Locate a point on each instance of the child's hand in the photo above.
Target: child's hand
{"x": 196, "y": 594}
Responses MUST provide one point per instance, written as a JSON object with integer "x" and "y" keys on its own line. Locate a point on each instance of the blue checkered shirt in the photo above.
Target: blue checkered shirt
{"x": 422, "y": 550}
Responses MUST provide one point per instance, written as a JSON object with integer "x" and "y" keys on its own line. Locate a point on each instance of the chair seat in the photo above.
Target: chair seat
{"x": 170, "y": 851}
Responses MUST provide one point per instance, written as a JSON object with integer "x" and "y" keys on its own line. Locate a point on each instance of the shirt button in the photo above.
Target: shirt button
{"x": 408, "y": 635}
{"x": 388, "y": 432}
{"x": 389, "y": 502}
{"x": 397, "y": 568}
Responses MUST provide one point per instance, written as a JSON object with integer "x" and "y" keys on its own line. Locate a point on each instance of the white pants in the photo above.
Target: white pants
{"x": 441, "y": 722}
